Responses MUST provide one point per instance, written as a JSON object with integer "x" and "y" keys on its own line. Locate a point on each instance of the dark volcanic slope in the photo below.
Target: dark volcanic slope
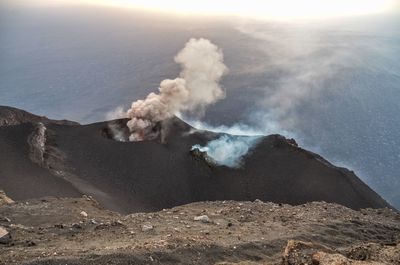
{"x": 19, "y": 176}
{"x": 13, "y": 116}
{"x": 145, "y": 176}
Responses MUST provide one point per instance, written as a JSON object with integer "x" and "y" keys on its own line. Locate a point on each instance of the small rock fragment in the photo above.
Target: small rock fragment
{"x": 84, "y": 214}
{"x": 77, "y": 226}
{"x": 202, "y": 218}
{"x": 5, "y": 219}
{"x": 4, "y": 199}
{"x": 30, "y": 243}
{"x": 117, "y": 223}
{"x": 101, "y": 226}
{"x": 5, "y": 236}
{"x": 147, "y": 227}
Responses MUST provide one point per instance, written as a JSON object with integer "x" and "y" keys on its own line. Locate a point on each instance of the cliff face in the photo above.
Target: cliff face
{"x": 151, "y": 175}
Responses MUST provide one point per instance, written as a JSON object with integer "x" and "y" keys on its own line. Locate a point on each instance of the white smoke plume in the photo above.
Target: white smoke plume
{"x": 236, "y": 129}
{"x": 229, "y": 150}
{"x": 307, "y": 58}
{"x": 117, "y": 113}
{"x": 241, "y": 129}
{"x": 196, "y": 87}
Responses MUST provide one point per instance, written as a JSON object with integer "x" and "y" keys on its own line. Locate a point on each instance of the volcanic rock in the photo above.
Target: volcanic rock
{"x": 4, "y": 199}
{"x": 300, "y": 253}
{"x": 313, "y": 232}
{"x": 147, "y": 227}
{"x": 202, "y": 218}
{"x": 5, "y": 236}
{"x": 84, "y": 214}
{"x": 195, "y": 152}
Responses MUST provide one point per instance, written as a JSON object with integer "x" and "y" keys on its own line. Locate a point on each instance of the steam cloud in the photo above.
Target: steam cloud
{"x": 228, "y": 150}
{"x": 196, "y": 87}
{"x": 302, "y": 61}
{"x": 117, "y": 113}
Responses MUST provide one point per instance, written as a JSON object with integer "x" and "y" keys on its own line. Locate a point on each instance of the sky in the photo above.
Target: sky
{"x": 268, "y": 8}
{"x": 255, "y": 9}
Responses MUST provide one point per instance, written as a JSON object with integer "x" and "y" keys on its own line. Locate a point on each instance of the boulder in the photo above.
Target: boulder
{"x": 4, "y": 199}
{"x": 84, "y": 214}
{"x": 5, "y": 236}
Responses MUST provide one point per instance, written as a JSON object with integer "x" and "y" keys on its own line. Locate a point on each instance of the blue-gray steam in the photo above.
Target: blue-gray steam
{"x": 229, "y": 150}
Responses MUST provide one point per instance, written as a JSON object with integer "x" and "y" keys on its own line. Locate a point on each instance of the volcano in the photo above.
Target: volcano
{"x": 42, "y": 157}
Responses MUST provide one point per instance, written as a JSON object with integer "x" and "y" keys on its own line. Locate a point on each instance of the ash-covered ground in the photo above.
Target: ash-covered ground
{"x": 77, "y": 231}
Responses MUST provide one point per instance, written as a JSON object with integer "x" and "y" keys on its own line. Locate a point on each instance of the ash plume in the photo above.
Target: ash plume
{"x": 196, "y": 87}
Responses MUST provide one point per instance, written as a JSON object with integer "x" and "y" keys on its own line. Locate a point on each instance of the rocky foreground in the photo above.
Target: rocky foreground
{"x": 80, "y": 231}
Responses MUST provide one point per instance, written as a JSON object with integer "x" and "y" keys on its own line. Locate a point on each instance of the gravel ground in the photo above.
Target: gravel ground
{"x": 80, "y": 231}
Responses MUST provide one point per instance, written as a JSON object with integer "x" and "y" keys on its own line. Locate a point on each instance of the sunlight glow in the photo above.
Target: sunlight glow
{"x": 261, "y": 8}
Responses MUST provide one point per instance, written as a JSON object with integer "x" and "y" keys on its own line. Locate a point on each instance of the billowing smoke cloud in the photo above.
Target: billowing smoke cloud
{"x": 196, "y": 88}
{"x": 228, "y": 150}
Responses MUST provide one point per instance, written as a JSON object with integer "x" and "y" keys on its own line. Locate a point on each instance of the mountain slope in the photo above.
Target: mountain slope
{"x": 150, "y": 175}
{"x": 14, "y": 116}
